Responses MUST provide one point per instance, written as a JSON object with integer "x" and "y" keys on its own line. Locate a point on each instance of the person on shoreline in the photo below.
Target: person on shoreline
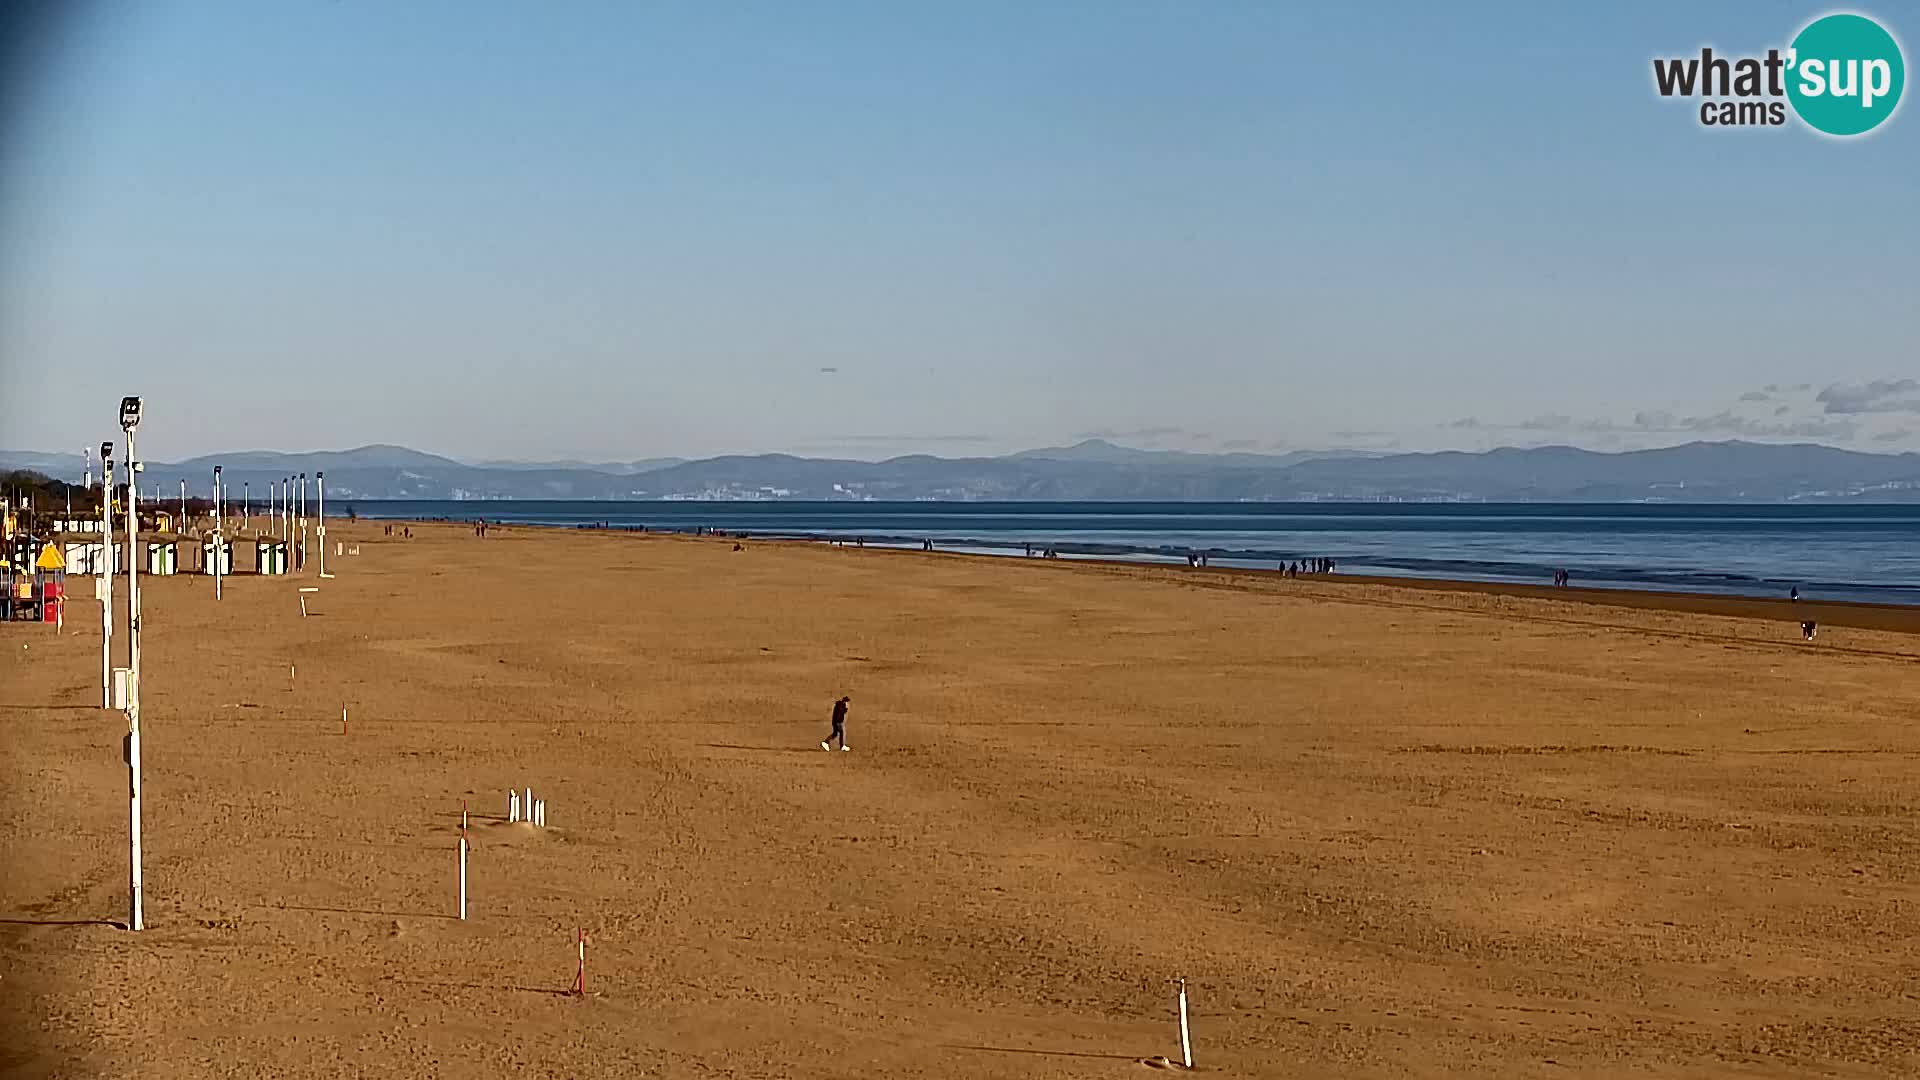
{"x": 839, "y": 725}
{"x": 1808, "y": 629}
{"x": 1793, "y": 594}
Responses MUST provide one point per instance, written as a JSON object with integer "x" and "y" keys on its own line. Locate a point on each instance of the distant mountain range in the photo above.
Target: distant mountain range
{"x": 1091, "y": 470}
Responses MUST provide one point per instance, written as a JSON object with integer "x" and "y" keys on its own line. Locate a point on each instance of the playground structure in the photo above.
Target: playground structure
{"x": 34, "y": 578}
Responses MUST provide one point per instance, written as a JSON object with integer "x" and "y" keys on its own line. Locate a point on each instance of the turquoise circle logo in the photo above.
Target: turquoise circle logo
{"x": 1846, "y": 74}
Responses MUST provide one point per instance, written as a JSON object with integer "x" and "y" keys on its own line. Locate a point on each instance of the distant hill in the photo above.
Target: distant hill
{"x": 1100, "y": 451}
{"x": 1090, "y": 470}
{"x": 615, "y": 468}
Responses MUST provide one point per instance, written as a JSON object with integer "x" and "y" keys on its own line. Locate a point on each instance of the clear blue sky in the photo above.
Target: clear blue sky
{"x": 618, "y": 230}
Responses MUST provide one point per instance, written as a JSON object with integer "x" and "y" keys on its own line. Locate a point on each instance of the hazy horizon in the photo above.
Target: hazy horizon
{"x": 592, "y": 463}
{"x": 611, "y": 232}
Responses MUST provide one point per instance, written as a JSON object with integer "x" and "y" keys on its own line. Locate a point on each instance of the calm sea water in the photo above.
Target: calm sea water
{"x": 1838, "y": 553}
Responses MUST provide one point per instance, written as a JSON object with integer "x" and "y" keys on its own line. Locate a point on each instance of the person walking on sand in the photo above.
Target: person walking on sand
{"x": 839, "y": 726}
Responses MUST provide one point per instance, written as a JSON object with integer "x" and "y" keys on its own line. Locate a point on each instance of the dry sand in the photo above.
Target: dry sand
{"x": 1384, "y": 831}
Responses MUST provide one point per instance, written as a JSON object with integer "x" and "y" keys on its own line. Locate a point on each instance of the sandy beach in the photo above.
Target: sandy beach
{"x": 1382, "y": 829}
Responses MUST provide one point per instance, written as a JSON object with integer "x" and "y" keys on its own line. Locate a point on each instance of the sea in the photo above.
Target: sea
{"x": 1856, "y": 552}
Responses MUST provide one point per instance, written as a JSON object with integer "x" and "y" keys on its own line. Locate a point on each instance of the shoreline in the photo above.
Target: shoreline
{"x": 1850, "y": 614}
{"x": 1694, "y": 561}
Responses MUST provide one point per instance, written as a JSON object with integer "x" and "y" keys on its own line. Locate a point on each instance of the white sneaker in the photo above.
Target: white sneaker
{"x": 824, "y": 746}
{"x": 844, "y": 746}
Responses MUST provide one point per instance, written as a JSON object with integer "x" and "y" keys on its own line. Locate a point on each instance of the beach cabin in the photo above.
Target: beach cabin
{"x": 163, "y": 558}
{"x": 90, "y": 556}
{"x": 226, "y": 557}
{"x": 269, "y": 556}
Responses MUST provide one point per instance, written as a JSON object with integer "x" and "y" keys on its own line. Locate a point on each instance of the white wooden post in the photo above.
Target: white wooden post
{"x": 463, "y": 877}
{"x": 1186, "y": 1044}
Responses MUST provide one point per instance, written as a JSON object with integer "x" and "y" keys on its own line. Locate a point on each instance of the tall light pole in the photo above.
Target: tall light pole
{"x": 246, "y": 506}
{"x": 320, "y": 513}
{"x": 183, "y": 507}
{"x": 129, "y": 420}
{"x": 216, "y": 532}
{"x": 105, "y": 573}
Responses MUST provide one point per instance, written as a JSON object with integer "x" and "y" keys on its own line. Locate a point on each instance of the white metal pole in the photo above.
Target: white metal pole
{"x": 303, "y": 521}
{"x": 105, "y": 572}
{"x": 1186, "y": 1044}
{"x": 246, "y": 505}
{"x": 183, "y": 506}
{"x": 138, "y": 918}
{"x": 217, "y": 545}
{"x": 463, "y": 877}
{"x": 320, "y": 512}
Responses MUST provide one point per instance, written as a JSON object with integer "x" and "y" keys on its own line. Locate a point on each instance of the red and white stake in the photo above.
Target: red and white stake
{"x": 580, "y": 973}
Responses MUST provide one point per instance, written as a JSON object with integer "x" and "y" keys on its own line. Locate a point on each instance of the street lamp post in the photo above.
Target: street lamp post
{"x": 320, "y": 513}
{"x": 129, "y": 420}
{"x": 216, "y": 532}
{"x": 105, "y": 576}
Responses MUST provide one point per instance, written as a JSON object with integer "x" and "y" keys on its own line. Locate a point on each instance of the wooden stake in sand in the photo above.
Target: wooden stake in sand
{"x": 1186, "y": 1044}
{"x": 463, "y": 877}
{"x": 513, "y": 806}
{"x": 580, "y": 973}
{"x": 540, "y": 813}
{"x": 343, "y": 719}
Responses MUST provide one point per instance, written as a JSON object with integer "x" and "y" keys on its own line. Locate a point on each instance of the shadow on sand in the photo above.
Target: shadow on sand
{"x": 362, "y": 911}
{"x": 764, "y": 749}
{"x": 64, "y": 922}
{"x": 1042, "y": 1053}
{"x": 547, "y": 990}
